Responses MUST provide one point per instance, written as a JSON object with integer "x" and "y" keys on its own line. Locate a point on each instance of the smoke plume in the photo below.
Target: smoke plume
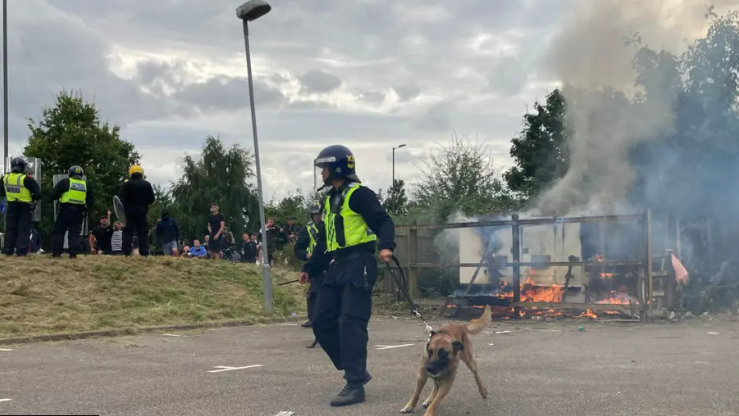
{"x": 593, "y": 57}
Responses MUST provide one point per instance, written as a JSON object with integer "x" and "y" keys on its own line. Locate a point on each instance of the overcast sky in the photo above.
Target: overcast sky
{"x": 369, "y": 74}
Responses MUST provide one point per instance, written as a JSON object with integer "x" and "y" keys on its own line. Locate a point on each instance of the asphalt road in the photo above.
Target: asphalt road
{"x": 535, "y": 369}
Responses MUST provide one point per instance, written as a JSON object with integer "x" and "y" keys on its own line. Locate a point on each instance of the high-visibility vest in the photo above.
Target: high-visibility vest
{"x": 15, "y": 190}
{"x": 355, "y": 230}
{"x": 313, "y": 234}
{"x": 76, "y": 194}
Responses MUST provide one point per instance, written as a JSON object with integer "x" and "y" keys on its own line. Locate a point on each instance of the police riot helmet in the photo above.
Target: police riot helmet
{"x": 76, "y": 172}
{"x": 18, "y": 165}
{"x": 314, "y": 208}
{"x": 339, "y": 161}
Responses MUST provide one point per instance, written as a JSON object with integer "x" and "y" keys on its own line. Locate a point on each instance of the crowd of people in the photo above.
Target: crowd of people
{"x": 218, "y": 243}
{"x": 130, "y": 237}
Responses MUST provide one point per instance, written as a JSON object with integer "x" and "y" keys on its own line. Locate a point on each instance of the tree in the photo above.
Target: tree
{"x": 461, "y": 177}
{"x": 71, "y": 133}
{"x": 396, "y": 201}
{"x": 540, "y": 152}
{"x": 293, "y": 205}
{"x": 220, "y": 175}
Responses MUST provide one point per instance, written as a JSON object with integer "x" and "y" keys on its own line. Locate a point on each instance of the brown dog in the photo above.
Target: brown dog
{"x": 440, "y": 360}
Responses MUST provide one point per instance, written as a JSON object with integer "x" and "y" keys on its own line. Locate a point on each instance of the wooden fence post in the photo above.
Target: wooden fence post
{"x": 412, "y": 260}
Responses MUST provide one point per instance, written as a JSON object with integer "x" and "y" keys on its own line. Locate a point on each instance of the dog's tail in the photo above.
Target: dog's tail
{"x": 479, "y": 325}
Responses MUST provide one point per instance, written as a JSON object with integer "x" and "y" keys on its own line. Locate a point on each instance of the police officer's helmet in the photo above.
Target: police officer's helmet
{"x": 315, "y": 208}
{"x": 76, "y": 172}
{"x": 18, "y": 165}
{"x": 340, "y": 163}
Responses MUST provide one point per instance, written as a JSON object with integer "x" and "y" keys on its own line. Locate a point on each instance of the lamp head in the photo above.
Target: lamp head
{"x": 253, "y": 10}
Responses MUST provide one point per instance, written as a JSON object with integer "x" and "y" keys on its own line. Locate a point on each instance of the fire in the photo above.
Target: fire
{"x": 588, "y": 314}
{"x": 530, "y": 292}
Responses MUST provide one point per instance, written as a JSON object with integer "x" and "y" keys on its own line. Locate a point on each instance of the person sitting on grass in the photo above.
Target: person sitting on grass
{"x": 185, "y": 252}
{"x": 197, "y": 250}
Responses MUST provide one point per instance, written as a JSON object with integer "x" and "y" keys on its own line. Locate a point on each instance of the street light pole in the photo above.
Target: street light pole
{"x": 247, "y": 12}
{"x": 392, "y": 200}
{"x": 6, "y": 168}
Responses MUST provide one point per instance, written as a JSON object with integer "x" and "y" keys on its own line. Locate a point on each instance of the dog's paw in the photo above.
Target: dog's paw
{"x": 407, "y": 409}
{"x": 484, "y": 393}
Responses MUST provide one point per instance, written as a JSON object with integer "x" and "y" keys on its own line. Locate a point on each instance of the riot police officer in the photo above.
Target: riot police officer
{"x": 75, "y": 200}
{"x": 355, "y": 223}
{"x": 136, "y": 194}
{"x": 303, "y": 250}
{"x": 21, "y": 191}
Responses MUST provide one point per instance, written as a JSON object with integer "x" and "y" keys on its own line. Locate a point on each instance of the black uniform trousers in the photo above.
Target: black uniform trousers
{"x": 343, "y": 313}
{"x": 136, "y": 223}
{"x": 68, "y": 221}
{"x": 17, "y": 228}
{"x": 315, "y": 285}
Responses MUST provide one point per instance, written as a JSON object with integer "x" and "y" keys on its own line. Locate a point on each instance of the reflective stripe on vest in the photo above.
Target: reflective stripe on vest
{"x": 15, "y": 190}
{"x": 355, "y": 230}
{"x": 76, "y": 194}
{"x": 313, "y": 234}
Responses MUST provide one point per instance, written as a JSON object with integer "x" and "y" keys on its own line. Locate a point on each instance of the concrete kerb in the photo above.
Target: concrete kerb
{"x": 146, "y": 330}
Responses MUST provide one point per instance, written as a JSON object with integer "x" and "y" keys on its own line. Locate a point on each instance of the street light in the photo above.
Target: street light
{"x": 393, "y": 187}
{"x": 247, "y": 12}
{"x": 6, "y": 168}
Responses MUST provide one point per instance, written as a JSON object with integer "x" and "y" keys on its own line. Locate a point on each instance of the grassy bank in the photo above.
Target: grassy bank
{"x": 40, "y": 295}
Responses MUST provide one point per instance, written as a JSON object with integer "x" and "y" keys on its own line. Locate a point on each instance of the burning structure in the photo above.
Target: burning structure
{"x": 577, "y": 266}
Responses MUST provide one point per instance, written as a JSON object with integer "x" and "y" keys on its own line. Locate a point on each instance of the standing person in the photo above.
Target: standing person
{"x": 248, "y": 249}
{"x": 21, "y": 191}
{"x": 136, "y": 194}
{"x": 273, "y": 234}
{"x": 75, "y": 200}
{"x": 292, "y": 230}
{"x": 216, "y": 225}
{"x": 353, "y": 220}
{"x": 168, "y": 233}
{"x": 99, "y": 238}
{"x": 304, "y": 246}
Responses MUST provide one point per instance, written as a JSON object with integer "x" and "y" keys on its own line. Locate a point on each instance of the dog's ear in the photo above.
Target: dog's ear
{"x": 458, "y": 346}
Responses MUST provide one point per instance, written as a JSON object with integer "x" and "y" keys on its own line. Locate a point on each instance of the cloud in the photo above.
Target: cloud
{"x": 369, "y": 74}
{"x": 319, "y": 81}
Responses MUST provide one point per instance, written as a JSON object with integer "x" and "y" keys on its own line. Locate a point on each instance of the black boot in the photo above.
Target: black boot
{"x": 349, "y": 395}
{"x": 307, "y": 324}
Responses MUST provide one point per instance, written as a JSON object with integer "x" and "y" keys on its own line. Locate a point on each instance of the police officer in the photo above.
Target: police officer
{"x": 75, "y": 199}
{"x": 21, "y": 191}
{"x": 136, "y": 194}
{"x": 303, "y": 250}
{"x": 354, "y": 221}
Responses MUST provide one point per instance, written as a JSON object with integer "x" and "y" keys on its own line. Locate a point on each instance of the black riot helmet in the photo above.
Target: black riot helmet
{"x": 18, "y": 165}
{"x": 339, "y": 161}
{"x": 76, "y": 172}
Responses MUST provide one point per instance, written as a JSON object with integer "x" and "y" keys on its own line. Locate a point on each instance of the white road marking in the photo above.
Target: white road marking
{"x": 226, "y": 368}
{"x": 503, "y": 332}
{"x": 171, "y": 335}
{"x": 5, "y": 400}
{"x": 285, "y": 413}
{"x": 389, "y": 347}
{"x": 5, "y": 349}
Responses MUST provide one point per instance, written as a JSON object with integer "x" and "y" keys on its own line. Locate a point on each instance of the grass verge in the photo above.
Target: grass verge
{"x": 41, "y": 296}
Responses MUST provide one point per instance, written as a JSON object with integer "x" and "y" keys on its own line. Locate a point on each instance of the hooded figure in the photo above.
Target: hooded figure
{"x": 168, "y": 234}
